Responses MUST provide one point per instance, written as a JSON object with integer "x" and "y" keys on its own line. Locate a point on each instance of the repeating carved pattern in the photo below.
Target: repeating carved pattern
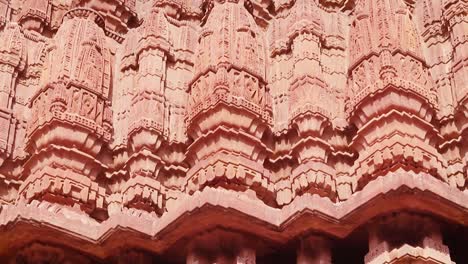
{"x": 121, "y": 114}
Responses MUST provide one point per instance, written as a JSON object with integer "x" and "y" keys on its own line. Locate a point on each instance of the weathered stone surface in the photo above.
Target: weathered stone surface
{"x": 230, "y": 131}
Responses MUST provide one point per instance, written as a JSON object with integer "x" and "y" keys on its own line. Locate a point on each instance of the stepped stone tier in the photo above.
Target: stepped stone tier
{"x": 234, "y": 131}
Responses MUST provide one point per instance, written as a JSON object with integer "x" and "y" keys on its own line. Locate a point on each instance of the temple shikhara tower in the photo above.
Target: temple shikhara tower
{"x": 234, "y": 131}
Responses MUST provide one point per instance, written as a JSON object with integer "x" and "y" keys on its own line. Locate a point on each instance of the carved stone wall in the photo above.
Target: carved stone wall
{"x": 233, "y": 131}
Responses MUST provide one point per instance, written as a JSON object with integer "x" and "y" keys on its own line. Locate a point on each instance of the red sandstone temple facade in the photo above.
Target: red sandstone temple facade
{"x": 234, "y": 131}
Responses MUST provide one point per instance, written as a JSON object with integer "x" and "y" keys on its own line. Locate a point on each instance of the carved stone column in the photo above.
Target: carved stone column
{"x": 221, "y": 248}
{"x": 155, "y": 80}
{"x": 147, "y": 120}
{"x": 229, "y": 106}
{"x": 387, "y": 70}
{"x": 310, "y": 108}
{"x": 4, "y": 12}
{"x": 41, "y": 253}
{"x": 240, "y": 256}
{"x": 454, "y": 13}
{"x": 71, "y": 116}
{"x": 314, "y": 250}
{"x": 134, "y": 256}
{"x": 406, "y": 237}
{"x": 12, "y": 61}
{"x": 194, "y": 256}
{"x": 246, "y": 255}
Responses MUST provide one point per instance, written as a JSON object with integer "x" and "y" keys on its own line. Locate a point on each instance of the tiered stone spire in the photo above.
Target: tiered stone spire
{"x": 383, "y": 96}
{"x": 229, "y": 106}
{"x": 71, "y": 116}
{"x": 233, "y": 131}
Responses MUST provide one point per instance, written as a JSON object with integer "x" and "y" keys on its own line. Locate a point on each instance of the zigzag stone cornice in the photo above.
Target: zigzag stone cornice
{"x": 398, "y": 191}
{"x": 148, "y": 124}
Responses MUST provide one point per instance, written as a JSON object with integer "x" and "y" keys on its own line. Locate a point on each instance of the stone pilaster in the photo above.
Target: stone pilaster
{"x": 221, "y": 248}
{"x": 134, "y": 256}
{"x": 195, "y": 256}
{"x": 314, "y": 250}
{"x": 42, "y": 253}
{"x": 406, "y": 237}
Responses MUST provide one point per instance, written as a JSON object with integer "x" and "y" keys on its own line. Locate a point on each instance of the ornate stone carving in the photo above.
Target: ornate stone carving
{"x": 134, "y": 256}
{"x": 220, "y": 131}
{"x": 389, "y": 241}
{"x": 380, "y": 64}
{"x": 12, "y": 61}
{"x": 229, "y": 84}
{"x": 35, "y": 14}
{"x": 40, "y": 253}
{"x": 4, "y": 12}
{"x": 314, "y": 249}
{"x": 227, "y": 248}
{"x": 117, "y": 14}
{"x": 73, "y": 102}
